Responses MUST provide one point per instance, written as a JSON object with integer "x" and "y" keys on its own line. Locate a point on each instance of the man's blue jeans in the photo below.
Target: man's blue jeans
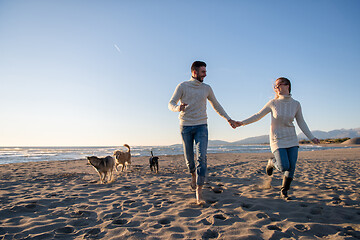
{"x": 198, "y": 135}
{"x": 285, "y": 160}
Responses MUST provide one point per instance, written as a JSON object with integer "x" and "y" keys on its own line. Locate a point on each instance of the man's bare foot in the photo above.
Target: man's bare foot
{"x": 199, "y": 197}
{"x": 193, "y": 181}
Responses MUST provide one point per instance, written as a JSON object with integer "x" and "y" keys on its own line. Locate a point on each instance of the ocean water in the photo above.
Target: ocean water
{"x": 34, "y": 154}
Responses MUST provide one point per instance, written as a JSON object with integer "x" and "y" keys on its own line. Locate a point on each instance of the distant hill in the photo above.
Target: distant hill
{"x": 339, "y": 133}
{"x": 218, "y": 142}
{"x": 253, "y": 140}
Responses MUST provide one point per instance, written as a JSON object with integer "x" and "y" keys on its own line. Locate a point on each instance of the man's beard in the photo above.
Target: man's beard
{"x": 199, "y": 79}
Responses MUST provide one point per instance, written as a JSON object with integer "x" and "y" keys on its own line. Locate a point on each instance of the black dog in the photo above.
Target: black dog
{"x": 154, "y": 163}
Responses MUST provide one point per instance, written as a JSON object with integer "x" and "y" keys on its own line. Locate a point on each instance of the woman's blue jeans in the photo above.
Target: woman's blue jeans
{"x": 285, "y": 160}
{"x": 198, "y": 135}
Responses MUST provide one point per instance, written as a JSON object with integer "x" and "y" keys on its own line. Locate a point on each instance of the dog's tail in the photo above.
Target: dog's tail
{"x": 152, "y": 154}
{"x": 128, "y": 147}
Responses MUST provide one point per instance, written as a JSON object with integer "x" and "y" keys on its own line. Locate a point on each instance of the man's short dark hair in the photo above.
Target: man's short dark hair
{"x": 196, "y": 65}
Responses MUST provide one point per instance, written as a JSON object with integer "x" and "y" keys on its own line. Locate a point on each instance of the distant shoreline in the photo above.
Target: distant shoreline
{"x": 50, "y": 154}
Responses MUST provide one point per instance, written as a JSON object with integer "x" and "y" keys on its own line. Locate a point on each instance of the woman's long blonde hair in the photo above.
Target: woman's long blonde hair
{"x": 285, "y": 81}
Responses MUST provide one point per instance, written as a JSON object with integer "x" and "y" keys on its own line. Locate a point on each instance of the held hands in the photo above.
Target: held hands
{"x": 234, "y": 124}
{"x": 238, "y": 123}
{"x": 316, "y": 141}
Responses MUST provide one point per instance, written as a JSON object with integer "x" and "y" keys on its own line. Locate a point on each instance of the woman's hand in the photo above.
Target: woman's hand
{"x": 232, "y": 123}
{"x": 238, "y": 124}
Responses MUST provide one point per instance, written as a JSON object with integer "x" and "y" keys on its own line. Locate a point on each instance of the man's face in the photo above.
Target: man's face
{"x": 200, "y": 74}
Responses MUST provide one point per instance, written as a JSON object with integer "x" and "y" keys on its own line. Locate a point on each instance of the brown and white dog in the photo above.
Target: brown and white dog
{"x": 103, "y": 166}
{"x": 122, "y": 158}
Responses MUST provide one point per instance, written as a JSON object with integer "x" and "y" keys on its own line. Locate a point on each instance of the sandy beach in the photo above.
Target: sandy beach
{"x": 63, "y": 200}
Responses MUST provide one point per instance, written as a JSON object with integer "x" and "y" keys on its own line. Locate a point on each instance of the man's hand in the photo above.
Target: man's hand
{"x": 182, "y": 107}
{"x": 232, "y": 123}
{"x": 238, "y": 124}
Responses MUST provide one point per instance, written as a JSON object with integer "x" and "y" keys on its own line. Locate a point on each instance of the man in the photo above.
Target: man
{"x": 192, "y": 95}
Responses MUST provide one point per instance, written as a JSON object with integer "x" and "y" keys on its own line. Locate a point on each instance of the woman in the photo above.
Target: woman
{"x": 283, "y": 139}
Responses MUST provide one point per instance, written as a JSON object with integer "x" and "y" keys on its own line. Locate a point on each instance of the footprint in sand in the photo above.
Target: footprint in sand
{"x": 217, "y": 189}
{"x": 217, "y": 219}
{"x": 352, "y": 232}
{"x": 81, "y": 214}
{"x": 32, "y": 207}
{"x": 204, "y": 221}
{"x": 92, "y": 233}
{"x": 51, "y": 195}
{"x": 79, "y": 223}
{"x": 219, "y": 216}
{"x": 112, "y": 216}
{"x": 165, "y": 221}
{"x": 64, "y": 230}
{"x": 155, "y": 213}
{"x": 120, "y": 222}
{"x": 177, "y": 236}
{"x": 301, "y": 227}
{"x": 274, "y": 227}
{"x": 210, "y": 234}
{"x": 316, "y": 210}
{"x": 246, "y": 205}
{"x": 42, "y": 236}
{"x": 262, "y": 215}
{"x": 211, "y": 201}
{"x": 128, "y": 202}
{"x": 190, "y": 212}
{"x": 116, "y": 205}
{"x": 336, "y": 200}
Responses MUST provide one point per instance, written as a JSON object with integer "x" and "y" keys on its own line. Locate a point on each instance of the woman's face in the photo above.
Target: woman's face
{"x": 281, "y": 88}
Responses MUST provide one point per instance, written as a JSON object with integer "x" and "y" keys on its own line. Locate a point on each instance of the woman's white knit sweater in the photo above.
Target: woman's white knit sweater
{"x": 194, "y": 93}
{"x": 282, "y": 130}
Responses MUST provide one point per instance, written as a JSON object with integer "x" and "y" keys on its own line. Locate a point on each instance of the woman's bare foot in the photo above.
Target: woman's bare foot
{"x": 193, "y": 181}
{"x": 199, "y": 197}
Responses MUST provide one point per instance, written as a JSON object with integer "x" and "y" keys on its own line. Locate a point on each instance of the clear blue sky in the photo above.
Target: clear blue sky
{"x": 97, "y": 73}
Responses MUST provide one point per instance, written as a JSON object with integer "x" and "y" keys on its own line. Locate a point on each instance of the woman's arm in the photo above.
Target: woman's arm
{"x": 303, "y": 126}
{"x": 256, "y": 117}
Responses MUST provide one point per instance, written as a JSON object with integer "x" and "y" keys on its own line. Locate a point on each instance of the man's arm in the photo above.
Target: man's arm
{"x": 175, "y": 99}
{"x": 219, "y": 109}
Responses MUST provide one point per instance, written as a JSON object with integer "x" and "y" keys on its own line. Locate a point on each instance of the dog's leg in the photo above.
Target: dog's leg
{"x": 157, "y": 168}
{"x": 101, "y": 178}
{"x": 105, "y": 175}
{"x": 104, "y": 178}
{"x": 111, "y": 175}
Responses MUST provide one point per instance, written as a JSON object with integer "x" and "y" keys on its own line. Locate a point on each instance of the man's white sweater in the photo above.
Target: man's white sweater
{"x": 194, "y": 93}
{"x": 282, "y": 131}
